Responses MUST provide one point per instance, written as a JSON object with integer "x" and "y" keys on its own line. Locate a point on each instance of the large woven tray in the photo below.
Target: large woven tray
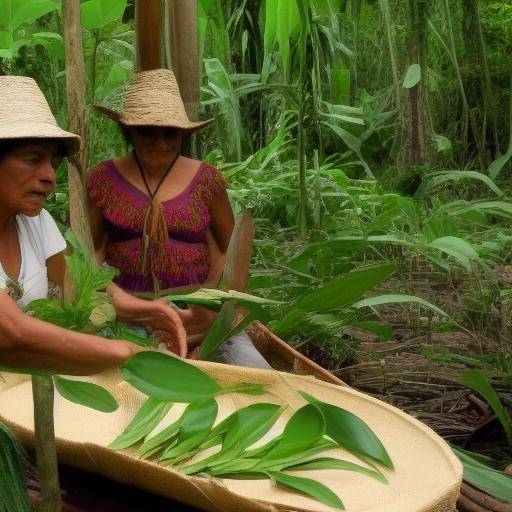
{"x": 427, "y": 476}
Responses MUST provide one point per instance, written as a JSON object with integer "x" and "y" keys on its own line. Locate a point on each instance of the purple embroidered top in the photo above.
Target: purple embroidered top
{"x": 184, "y": 260}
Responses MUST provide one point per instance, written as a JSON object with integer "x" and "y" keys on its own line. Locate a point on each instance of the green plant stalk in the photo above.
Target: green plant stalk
{"x": 46, "y": 454}
{"x": 390, "y": 36}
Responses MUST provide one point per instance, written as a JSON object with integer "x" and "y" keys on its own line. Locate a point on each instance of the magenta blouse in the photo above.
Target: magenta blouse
{"x": 184, "y": 260}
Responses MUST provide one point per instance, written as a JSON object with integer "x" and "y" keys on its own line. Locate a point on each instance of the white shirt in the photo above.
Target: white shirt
{"x": 40, "y": 239}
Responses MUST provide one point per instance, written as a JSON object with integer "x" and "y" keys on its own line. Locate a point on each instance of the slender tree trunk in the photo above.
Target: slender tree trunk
{"x": 184, "y": 47}
{"x": 475, "y": 52}
{"x": 46, "y": 455}
{"x": 148, "y": 16}
{"x": 414, "y": 131}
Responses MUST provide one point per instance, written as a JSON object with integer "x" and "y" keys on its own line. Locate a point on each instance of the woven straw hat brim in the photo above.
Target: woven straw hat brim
{"x": 39, "y": 130}
{"x": 125, "y": 119}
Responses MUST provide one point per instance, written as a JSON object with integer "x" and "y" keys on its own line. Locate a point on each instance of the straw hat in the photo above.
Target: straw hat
{"x": 153, "y": 99}
{"x": 25, "y": 114}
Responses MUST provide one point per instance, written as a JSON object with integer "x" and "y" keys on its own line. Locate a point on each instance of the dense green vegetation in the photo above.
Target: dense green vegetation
{"x": 360, "y": 132}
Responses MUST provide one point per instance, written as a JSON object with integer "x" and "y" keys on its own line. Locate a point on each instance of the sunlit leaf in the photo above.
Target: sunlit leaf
{"x": 86, "y": 393}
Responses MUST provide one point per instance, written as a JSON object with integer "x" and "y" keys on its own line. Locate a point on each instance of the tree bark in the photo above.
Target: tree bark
{"x": 148, "y": 16}
{"x": 414, "y": 132}
{"x": 46, "y": 455}
{"x": 75, "y": 86}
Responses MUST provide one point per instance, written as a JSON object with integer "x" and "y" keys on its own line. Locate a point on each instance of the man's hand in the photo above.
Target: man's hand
{"x": 160, "y": 317}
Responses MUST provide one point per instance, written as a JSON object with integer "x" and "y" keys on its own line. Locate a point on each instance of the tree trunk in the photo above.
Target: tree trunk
{"x": 481, "y": 96}
{"x": 184, "y": 45}
{"x": 46, "y": 455}
{"x": 414, "y": 132}
{"x": 148, "y": 16}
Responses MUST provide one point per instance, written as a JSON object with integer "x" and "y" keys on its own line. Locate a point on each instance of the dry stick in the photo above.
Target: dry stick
{"x": 484, "y": 500}
{"x": 466, "y": 505}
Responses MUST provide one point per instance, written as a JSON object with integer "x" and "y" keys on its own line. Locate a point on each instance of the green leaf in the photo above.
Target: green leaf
{"x": 437, "y": 179}
{"x": 194, "y": 427}
{"x": 390, "y": 299}
{"x": 498, "y": 164}
{"x": 443, "y": 144}
{"x": 413, "y": 76}
{"x": 86, "y": 393}
{"x": 345, "y": 290}
{"x": 343, "y": 465}
{"x": 13, "y": 471}
{"x": 493, "y": 482}
{"x": 309, "y": 487}
{"x": 147, "y": 418}
{"x": 168, "y": 378}
{"x": 305, "y": 428}
{"x": 219, "y": 331}
{"x": 14, "y": 13}
{"x": 96, "y": 14}
{"x": 351, "y": 432}
{"x": 479, "y": 381}
{"x": 461, "y": 250}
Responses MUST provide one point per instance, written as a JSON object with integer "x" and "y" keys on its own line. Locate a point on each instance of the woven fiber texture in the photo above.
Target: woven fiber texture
{"x": 426, "y": 479}
{"x": 25, "y": 114}
{"x": 153, "y": 99}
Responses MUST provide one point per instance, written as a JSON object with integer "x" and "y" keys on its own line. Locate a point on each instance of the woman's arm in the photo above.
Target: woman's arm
{"x": 26, "y": 342}
{"x": 99, "y": 234}
{"x": 222, "y": 220}
{"x": 157, "y": 315}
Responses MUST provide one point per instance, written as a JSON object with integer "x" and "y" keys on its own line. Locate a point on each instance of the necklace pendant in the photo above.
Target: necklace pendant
{"x": 14, "y": 290}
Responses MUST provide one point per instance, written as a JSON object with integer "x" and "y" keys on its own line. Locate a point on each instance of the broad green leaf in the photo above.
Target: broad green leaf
{"x": 413, "y": 76}
{"x": 443, "y": 144}
{"x": 390, "y": 299}
{"x": 219, "y": 331}
{"x": 461, "y": 250}
{"x": 236, "y": 433}
{"x": 344, "y": 465}
{"x": 52, "y": 42}
{"x": 14, "y": 13}
{"x": 345, "y": 290}
{"x": 350, "y": 432}
{"x": 195, "y": 426}
{"x": 383, "y": 331}
{"x": 435, "y": 180}
{"x": 86, "y": 393}
{"x": 309, "y": 487}
{"x": 303, "y": 429}
{"x": 498, "y": 164}
{"x": 147, "y": 418}
{"x": 168, "y": 378}
{"x": 493, "y": 482}
{"x": 479, "y": 381}
{"x": 166, "y": 437}
{"x": 96, "y": 14}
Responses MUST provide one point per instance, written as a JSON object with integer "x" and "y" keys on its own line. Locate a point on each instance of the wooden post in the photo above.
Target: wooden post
{"x": 148, "y": 16}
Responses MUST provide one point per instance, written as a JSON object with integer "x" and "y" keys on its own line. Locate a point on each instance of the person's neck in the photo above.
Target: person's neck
{"x": 6, "y": 220}
{"x": 155, "y": 172}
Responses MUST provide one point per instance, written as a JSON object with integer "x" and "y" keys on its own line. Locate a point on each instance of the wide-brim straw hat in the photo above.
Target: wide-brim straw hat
{"x": 25, "y": 114}
{"x": 153, "y": 99}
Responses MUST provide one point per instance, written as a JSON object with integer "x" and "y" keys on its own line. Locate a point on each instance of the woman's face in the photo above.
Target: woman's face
{"x": 27, "y": 176}
{"x": 155, "y": 146}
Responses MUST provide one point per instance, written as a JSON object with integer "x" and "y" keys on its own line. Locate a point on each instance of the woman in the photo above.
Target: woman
{"x": 32, "y": 248}
{"x": 152, "y": 210}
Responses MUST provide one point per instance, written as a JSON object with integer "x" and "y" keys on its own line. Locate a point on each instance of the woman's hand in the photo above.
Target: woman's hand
{"x": 197, "y": 322}
{"x": 160, "y": 317}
